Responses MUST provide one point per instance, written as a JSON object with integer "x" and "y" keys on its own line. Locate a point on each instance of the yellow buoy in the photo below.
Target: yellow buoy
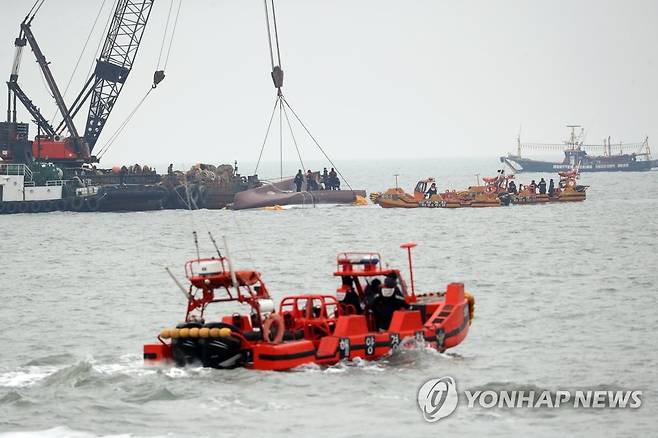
{"x": 194, "y": 332}
{"x": 184, "y": 332}
{"x": 224, "y": 332}
{"x": 174, "y": 333}
{"x": 165, "y": 334}
{"x": 360, "y": 200}
{"x": 273, "y": 208}
{"x": 204, "y": 332}
{"x": 214, "y": 332}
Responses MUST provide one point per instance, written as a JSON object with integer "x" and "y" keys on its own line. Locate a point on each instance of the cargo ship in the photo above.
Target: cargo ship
{"x": 620, "y": 157}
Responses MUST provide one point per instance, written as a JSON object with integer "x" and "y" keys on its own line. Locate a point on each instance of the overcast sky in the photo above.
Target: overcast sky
{"x": 371, "y": 78}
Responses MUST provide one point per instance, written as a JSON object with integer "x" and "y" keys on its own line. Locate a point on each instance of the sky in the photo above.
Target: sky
{"x": 372, "y": 79}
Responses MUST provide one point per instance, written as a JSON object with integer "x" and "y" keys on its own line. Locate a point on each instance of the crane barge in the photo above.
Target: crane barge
{"x": 44, "y": 173}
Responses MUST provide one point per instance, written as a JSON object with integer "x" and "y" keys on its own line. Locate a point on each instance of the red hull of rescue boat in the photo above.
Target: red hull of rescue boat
{"x": 308, "y": 329}
{"x": 440, "y": 325}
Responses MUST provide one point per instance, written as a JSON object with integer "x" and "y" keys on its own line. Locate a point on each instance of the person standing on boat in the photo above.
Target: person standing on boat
{"x": 388, "y": 301}
{"x": 511, "y": 187}
{"x": 325, "y": 179}
{"x": 299, "y": 180}
{"x": 542, "y": 186}
{"x": 371, "y": 291}
{"x": 533, "y": 187}
{"x": 551, "y": 187}
{"x": 347, "y": 296}
{"x": 310, "y": 181}
{"x": 431, "y": 191}
{"x": 334, "y": 182}
{"x": 122, "y": 175}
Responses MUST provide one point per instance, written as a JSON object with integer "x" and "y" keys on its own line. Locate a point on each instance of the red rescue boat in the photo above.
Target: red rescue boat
{"x": 311, "y": 328}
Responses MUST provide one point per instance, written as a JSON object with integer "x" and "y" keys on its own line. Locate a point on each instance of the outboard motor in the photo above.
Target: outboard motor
{"x": 187, "y": 350}
{"x": 222, "y": 352}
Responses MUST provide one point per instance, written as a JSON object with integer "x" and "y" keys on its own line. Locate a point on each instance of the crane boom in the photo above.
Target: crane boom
{"x": 50, "y": 80}
{"x": 115, "y": 63}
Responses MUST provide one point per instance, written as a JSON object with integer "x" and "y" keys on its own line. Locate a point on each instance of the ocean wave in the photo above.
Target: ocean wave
{"x": 25, "y": 376}
{"x": 64, "y": 432}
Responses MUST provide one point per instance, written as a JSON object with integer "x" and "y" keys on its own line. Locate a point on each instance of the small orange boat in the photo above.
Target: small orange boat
{"x": 568, "y": 189}
{"x": 309, "y": 328}
{"x": 488, "y": 195}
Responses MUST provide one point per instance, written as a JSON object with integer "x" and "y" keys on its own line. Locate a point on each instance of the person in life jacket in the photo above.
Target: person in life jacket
{"x": 334, "y": 182}
{"x": 542, "y": 186}
{"x": 511, "y": 187}
{"x": 431, "y": 191}
{"x": 311, "y": 182}
{"x": 299, "y": 180}
{"x": 325, "y": 179}
{"x": 348, "y": 297}
{"x": 388, "y": 301}
{"x": 533, "y": 186}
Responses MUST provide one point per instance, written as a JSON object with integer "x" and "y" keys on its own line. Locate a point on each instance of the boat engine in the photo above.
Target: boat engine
{"x": 186, "y": 350}
{"x": 221, "y": 352}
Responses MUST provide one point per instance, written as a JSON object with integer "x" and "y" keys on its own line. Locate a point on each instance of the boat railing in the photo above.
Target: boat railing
{"x": 56, "y": 182}
{"x": 15, "y": 169}
{"x": 358, "y": 261}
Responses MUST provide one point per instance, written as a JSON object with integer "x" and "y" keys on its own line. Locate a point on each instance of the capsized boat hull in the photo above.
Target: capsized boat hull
{"x": 281, "y": 193}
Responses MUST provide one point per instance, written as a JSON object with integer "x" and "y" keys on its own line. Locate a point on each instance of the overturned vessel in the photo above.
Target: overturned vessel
{"x": 283, "y": 192}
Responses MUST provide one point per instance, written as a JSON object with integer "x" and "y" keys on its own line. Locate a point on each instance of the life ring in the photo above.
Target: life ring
{"x": 77, "y": 203}
{"x": 571, "y": 183}
{"x": 490, "y": 189}
{"x": 273, "y": 323}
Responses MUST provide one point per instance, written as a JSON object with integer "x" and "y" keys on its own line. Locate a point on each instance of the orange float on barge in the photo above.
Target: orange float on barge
{"x": 310, "y": 328}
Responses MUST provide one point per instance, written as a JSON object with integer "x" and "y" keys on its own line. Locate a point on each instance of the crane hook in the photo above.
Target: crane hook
{"x": 158, "y": 77}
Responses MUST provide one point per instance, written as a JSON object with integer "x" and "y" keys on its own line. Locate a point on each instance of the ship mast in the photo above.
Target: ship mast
{"x": 573, "y": 141}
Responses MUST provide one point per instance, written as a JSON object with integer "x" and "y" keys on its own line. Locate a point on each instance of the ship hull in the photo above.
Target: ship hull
{"x": 527, "y": 165}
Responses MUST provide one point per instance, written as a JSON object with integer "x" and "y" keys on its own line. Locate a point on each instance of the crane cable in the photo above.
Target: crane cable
{"x": 316, "y": 143}
{"x": 84, "y": 49}
{"x": 158, "y": 76}
{"x": 281, "y": 100}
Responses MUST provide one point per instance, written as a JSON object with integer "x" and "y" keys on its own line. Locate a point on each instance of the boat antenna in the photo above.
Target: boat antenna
{"x": 196, "y": 244}
{"x": 396, "y": 180}
{"x": 477, "y": 175}
{"x": 408, "y": 247}
{"x": 230, "y": 264}
{"x": 214, "y": 243}
{"x": 180, "y": 286}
